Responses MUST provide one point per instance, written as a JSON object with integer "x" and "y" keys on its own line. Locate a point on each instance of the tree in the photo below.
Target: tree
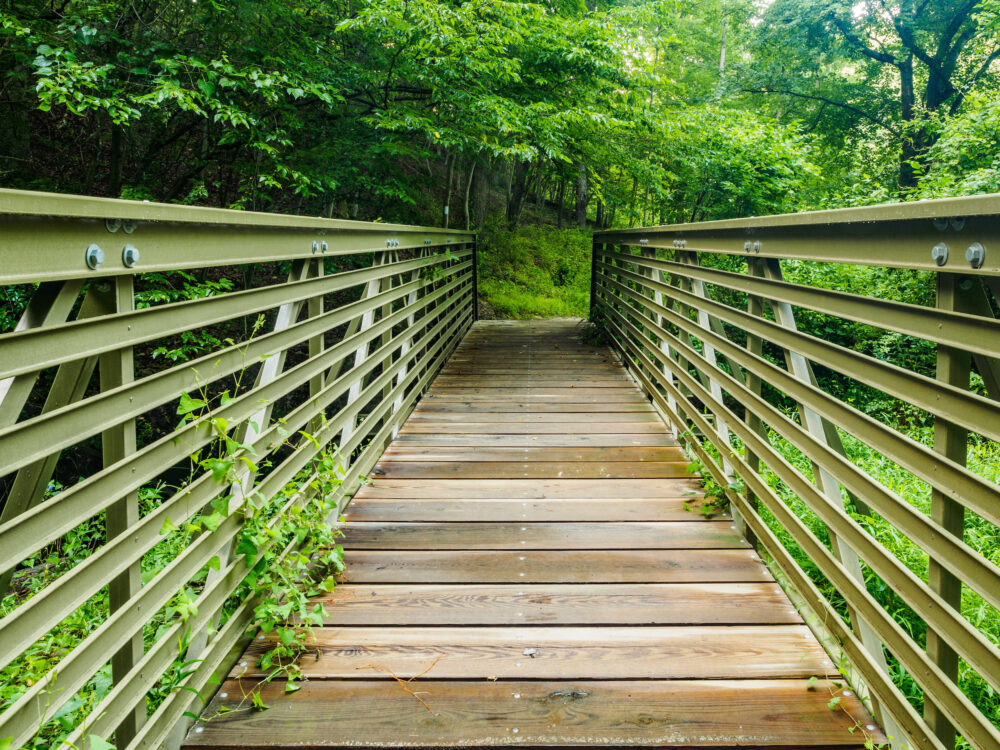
{"x": 894, "y": 65}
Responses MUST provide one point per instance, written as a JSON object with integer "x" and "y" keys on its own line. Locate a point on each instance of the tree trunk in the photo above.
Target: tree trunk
{"x": 447, "y": 195}
{"x": 560, "y": 195}
{"x": 631, "y": 202}
{"x": 582, "y": 195}
{"x": 480, "y": 188}
{"x": 722, "y": 54}
{"x": 599, "y": 218}
{"x": 909, "y": 152}
{"x": 518, "y": 192}
{"x": 468, "y": 189}
{"x": 115, "y": 167}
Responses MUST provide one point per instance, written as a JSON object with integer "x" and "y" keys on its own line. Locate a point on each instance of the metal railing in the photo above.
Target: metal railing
{"x": 705, "y": 320}
{"x": 341, "y": 350}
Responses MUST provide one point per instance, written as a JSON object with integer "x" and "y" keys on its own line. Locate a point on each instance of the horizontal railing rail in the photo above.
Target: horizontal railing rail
{"x": 884, "y": 533}
{"x": 287, "y": 391}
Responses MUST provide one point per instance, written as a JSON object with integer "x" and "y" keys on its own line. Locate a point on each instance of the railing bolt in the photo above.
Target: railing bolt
{"x": 975, "y": 254}
{"x": 746, "y": 246}
{"x": 940, "y": 253}
{"x": 130, "y": 256}
{"x": 427, "y": 240}
{"x": 94, "y": 256}
{"x": 323, "y": 246}
{"x": 129, "y": 225}
{"x": 113, "y": 225}
{"x": 957, "y": 223}
{"x": 965, "y": 283}
{"x": 756, "y": 246}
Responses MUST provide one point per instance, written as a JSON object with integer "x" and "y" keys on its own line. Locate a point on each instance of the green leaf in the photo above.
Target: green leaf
{"x": 328, "y": 583}
{"x": 211, "y": 521}
{"x": 168, "y": 527}
{"x": 188, "y": 404}
{"x": 98, "y": 743}
{"x": 810, "y": 682}
{"x": 214, "y": 563}
{"x": 219, "y": 467}
{"x": 257, "y": 702}
{"x": 834, "y": 702}
{"x": 221, "y": 506}
{"x": 292, "y": 686}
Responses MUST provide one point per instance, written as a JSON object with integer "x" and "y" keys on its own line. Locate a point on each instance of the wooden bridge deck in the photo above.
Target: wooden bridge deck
{"x": 525, "y": 555}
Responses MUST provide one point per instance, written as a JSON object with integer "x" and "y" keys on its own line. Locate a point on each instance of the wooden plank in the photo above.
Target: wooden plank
{"x": 530, "y": 469}
{"x": 506, "y": 370}
{"x": 540, "y": 393}
{"x": 570, "y": 397}
{"x": 560, "y": 604}
{"x": 468, "y": 509}
{"x": 480, "y": 411}
{"x": 554, "y": 566}
{"x": 593, "y": 535}
{"x": 698, "y": 652}
{"x": 508, "y": 381}
{"x": 527, "y": 440}
{"x": 535, "y": 453}
{"x": 526, "y": 489}
{"x": 658, "y": 713}
{"x": 515, "y": 428}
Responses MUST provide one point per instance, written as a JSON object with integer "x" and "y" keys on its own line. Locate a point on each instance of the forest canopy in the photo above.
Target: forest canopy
{"x": 622, "y": 112}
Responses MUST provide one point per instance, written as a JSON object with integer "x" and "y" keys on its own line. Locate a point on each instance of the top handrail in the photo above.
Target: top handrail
{"x": 961, "y": 207}
{"x": 32, "y": 203}
{"x": 54, "y": 237}
{"x": 960, "y": 235}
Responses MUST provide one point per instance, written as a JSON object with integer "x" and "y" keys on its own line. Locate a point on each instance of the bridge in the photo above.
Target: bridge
{"x": 653, "y": 530}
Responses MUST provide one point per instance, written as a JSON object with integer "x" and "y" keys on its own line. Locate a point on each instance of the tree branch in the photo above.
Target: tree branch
{"x": 831, "y": 102}
{"x": 883, "y": 57}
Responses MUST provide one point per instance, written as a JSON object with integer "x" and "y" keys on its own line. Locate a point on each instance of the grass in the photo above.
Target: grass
{"x": 534, "y": 272}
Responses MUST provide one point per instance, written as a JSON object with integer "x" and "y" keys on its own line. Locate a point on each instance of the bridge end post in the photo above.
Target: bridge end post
{"x": 475, "y": 278}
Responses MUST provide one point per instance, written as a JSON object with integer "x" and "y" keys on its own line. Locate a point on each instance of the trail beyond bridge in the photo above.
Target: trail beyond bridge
{"x": 524, "y": 552}
{"x": 667, "y": 527}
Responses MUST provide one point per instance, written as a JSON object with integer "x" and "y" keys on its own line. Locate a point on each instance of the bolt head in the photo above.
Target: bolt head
{"x": 94, "y": 257}
{"x": 746, "y": 246}
{"x": 113, "y": 225}
{"x": 939, "y": 253}
{"x": 323, "y": 246}
{"x": 130, "y": 256}
{"x": 756, "y": 246}
{"x": 976, "y": 255}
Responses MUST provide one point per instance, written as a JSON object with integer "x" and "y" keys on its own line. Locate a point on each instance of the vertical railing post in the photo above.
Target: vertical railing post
{"x": 593, "y": 275}
{"x": 316, "y": 343}
{"x": 951, "y": 441}
{"x": 475, "y": 278}
{"x": 116, "y": 369}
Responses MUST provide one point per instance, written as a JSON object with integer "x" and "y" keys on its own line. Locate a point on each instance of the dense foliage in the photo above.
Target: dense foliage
{"x": 622, "y": 112}
{"x": 532, "y": 121}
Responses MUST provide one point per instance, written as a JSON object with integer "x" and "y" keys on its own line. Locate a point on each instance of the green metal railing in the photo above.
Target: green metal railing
{"x": 705, "y": 320}
{"x": 352, "y": 338}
